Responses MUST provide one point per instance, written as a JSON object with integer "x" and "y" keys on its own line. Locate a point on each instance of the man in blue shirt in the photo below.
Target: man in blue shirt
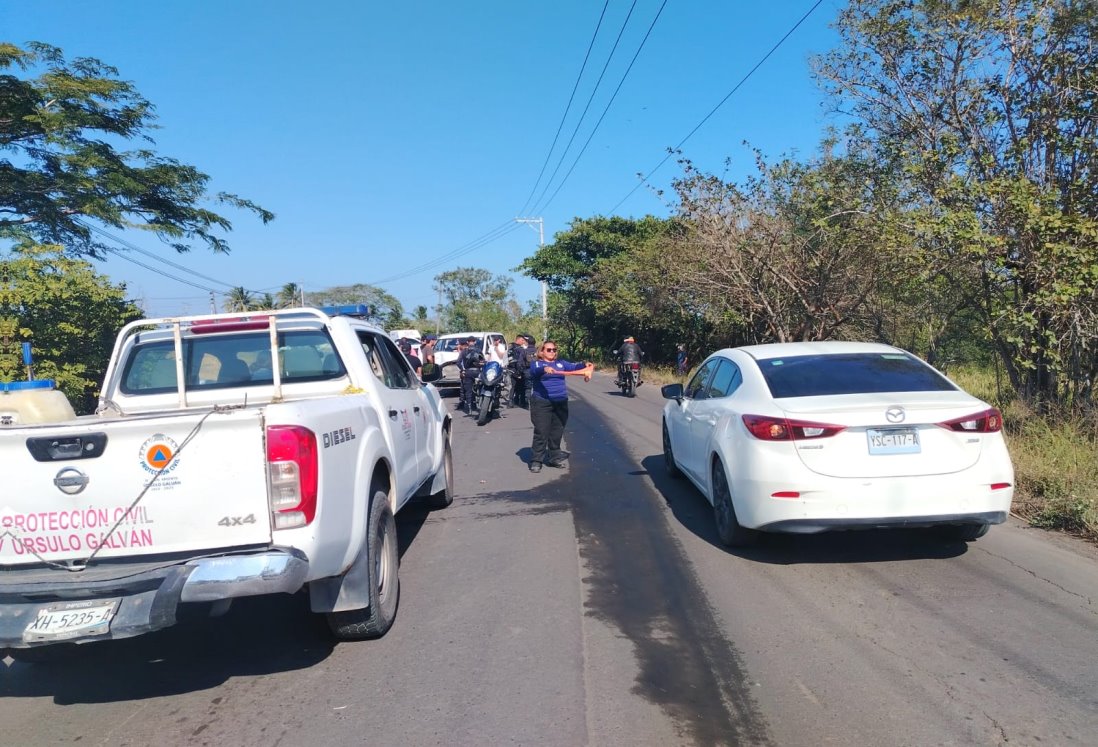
{"x": 549, "y": 403}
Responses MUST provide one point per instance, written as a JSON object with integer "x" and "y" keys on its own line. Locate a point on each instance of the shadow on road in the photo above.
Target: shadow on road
{"x": 693, "y": 511}
{"x": 257, "y": 636}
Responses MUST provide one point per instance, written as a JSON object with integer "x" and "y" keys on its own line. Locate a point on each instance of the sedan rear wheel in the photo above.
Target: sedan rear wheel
{"x": 728, "y": 527}
{"x": 669, "y": 455}
{"x": 962, "y": 532}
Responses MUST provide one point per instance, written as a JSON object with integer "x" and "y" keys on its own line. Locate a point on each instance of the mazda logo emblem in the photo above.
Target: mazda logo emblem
{"x": 71, "y": 481}
{"x": 895, "y": 414}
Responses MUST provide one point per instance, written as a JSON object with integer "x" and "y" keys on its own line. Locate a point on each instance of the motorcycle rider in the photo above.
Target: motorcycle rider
{"x": 630, "y": 352}
{"x": 470, "y": 363}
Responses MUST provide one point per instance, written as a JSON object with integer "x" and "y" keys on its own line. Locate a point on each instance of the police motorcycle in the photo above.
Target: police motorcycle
{"x": 488, "y": 390}
{"x": 629, "y": 376}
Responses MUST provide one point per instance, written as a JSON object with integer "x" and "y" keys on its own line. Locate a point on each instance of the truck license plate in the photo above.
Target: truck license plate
{"x": 72, "y": 619}
{"x": 893, "y": 441}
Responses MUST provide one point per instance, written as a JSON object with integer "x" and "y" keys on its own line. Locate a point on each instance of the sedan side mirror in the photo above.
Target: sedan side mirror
{"x": 672, "y": 391}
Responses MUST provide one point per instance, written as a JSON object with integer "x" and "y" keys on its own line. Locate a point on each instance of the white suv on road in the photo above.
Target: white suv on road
{"x": 446, "y": 352}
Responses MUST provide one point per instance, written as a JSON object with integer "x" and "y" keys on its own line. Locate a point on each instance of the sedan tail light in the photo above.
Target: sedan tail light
{"x": 988, "y": 421}
{"x": 784, "y": 429}
{"x": 292, "y": 467}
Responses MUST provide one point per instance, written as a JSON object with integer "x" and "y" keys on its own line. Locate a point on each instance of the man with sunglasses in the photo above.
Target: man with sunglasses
{"x": 549, "y": 404}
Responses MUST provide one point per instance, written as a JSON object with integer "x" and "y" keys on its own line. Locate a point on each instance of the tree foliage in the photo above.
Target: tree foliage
{"x": 68, "y": 312}
{"x": 385, "y": 310}
{"x": 61, "y": 129}
{"x": 989, "y": 105}
{"x": 475, "y": 299}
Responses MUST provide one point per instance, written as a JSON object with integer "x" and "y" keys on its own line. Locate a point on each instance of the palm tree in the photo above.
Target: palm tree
{"x": 239, "y": 299}
{"x": 290, "y": 295}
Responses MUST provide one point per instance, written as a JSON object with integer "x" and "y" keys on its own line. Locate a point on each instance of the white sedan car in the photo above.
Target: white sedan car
{"x": 811, "y": 436}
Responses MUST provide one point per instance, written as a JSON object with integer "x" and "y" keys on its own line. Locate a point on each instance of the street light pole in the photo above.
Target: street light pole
{"x": 544, "y": 301}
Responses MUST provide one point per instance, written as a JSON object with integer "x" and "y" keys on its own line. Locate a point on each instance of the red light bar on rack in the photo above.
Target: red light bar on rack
{"x": 213, "y": 326}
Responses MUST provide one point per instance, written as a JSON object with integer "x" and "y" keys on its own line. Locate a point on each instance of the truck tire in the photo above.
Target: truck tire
{"x": 383, "y": 578}
{"x": 445, "y": 497}
{"x": 485, "y": 411}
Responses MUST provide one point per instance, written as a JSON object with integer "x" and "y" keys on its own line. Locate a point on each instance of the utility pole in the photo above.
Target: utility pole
{"x": 213, "y": 303}
{"x": 544, "y": 303}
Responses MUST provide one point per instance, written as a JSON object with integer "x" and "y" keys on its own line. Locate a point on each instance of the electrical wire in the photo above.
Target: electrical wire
{"x": 567, "y": 108}
{"x": 607, "y": 109}
{"x": 134, "y": 247}
{"x": 494, "y": 235}
{"x": 721, "y": 103}
{"x": 590, "y": 98}
{"x": 150, "y": 268}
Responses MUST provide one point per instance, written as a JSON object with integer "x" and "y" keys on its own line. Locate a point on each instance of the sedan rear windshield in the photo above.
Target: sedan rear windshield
{"x": 850, "y": 373}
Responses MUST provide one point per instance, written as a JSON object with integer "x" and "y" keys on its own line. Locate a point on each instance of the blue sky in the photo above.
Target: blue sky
{"x": 389, "y": 136}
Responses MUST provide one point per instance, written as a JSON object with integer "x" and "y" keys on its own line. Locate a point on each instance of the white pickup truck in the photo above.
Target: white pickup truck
{"x": 209, "y": 474}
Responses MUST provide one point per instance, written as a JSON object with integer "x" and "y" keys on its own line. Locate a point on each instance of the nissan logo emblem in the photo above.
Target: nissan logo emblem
{"x": 895, "y": 414}
{"x": 71, "y": 481}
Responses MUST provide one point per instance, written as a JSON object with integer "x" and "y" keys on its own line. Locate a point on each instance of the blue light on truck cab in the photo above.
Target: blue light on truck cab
{"x": 359, "y": 310}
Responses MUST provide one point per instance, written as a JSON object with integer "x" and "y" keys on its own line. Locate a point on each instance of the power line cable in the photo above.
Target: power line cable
{"x": 607, "y": 109}
{"x": 158, "y": 258}
{"x": 721, "y": 103}
{"x": 495, "y": 234}
{"x": 120, "y": 253}
{"x": 567, "y": 108}
{"x": 590, "y": 98}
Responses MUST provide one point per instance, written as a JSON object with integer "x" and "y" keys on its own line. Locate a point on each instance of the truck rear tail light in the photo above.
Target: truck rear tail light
{"x": 988, "y": 421}
{"x": 783, "y": 429}
{"x": 292, "y": 467}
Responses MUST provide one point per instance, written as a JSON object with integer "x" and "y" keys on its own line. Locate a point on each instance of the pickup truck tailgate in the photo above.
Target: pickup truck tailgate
{"x": 205, "y": 493}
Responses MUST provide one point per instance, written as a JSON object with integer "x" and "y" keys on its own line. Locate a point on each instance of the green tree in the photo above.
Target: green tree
{"x": 475, "y": 299}
{"x": 289, "y": 295}
{"x": 68, "y": 312}
{"x": 989, "y": 106}
{"x": 240, "y": 299}
{"x": 597, "y": 272}
{"x": 385, "y": 309}
{"x": 58, "y": 124}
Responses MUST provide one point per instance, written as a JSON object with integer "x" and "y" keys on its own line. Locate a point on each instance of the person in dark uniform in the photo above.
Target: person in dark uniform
{"x": 470, "y": 363}
{"x": 518, "y": 364}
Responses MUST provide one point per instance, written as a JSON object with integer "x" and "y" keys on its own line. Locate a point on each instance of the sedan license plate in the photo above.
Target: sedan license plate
{"x": 71, "y": 619}
{"x": 893, "y": 441}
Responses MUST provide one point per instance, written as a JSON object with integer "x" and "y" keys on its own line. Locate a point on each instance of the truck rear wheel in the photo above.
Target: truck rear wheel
{"x": 382, "y": 576}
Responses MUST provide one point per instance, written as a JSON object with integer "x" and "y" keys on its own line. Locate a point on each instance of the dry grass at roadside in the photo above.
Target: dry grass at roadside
{"x": 1055, "y": 460}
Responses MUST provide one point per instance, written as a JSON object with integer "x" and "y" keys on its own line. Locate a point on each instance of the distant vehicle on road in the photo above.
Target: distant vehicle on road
{"x": 811, "y": 436}
{"x": 446, "y": 353}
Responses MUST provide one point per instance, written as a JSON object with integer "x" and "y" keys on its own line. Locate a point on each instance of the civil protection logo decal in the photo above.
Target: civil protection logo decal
{"x": 157, "y": 452}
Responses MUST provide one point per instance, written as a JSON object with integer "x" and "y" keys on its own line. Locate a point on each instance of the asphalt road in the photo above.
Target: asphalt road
{"x": 595, "y": 606}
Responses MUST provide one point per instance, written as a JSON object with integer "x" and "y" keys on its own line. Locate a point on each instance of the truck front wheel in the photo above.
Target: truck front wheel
{"x": 382, "y": 576}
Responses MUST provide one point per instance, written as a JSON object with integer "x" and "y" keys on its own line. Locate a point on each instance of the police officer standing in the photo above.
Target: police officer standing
{"x": 470, "y": 363}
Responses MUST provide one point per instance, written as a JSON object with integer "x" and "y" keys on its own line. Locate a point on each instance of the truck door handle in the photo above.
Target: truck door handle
{"x": 393, "y": 414}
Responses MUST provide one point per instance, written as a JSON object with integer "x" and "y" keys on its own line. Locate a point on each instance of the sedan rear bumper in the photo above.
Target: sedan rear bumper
{"x": 833, "y": 503}
{"x": 812, "y": 526}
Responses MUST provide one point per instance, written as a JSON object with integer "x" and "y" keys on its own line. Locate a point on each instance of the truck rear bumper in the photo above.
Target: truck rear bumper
{"x": 146, "y": 600}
